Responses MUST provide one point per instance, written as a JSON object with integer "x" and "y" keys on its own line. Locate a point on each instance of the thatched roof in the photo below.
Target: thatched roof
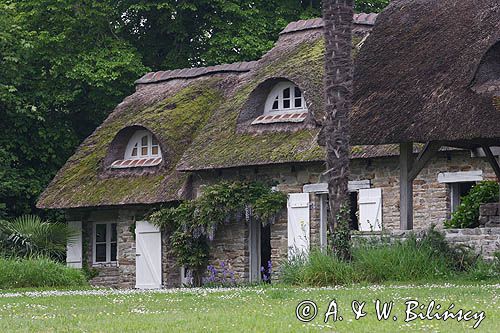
{"x": 201, "y": 119}
{"x": 230, "y": 141}
{"x": 429, "y": 71}
{"x": 174, "y": 112}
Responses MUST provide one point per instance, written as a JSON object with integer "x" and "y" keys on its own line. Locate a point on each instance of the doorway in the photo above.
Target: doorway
{"x": 259, "y": 243}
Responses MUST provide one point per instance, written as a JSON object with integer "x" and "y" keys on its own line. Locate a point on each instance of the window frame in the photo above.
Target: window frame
{"x": 108, "y": 242}
{"x": 277, "y": 94}
{"x": 136, "y": 142}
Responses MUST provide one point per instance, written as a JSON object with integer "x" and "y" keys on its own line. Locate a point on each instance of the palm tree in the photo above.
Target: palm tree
{"x": 337, "y": 16}
{"x": 28, "y": 236}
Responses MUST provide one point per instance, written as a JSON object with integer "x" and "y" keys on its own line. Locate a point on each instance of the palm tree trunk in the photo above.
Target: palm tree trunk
{"x": 338, "y": 15}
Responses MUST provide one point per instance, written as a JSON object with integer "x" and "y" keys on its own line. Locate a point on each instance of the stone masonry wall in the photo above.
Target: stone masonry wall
{"x": 431, "y": 199}
{"x": 489, "y": 215}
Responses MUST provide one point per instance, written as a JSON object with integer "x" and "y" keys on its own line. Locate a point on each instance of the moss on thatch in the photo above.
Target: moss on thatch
{"x": 299, "y": 60}
{"x": 173, "y": 112}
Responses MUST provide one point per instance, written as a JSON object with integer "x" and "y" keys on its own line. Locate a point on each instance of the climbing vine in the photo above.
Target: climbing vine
{"x": 193, "y": 223}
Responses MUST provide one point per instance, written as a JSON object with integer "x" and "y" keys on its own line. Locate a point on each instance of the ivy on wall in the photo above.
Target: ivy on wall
{"x": 193, "y": 224}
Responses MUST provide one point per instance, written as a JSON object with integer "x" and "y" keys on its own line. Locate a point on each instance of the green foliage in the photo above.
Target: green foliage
{"x": 193, "y": 223}
{"x": 62, "y": 69}
{"x": 427, "y": 259}
{"x": 467, "y": 214}
{"x": 318, "y": 269}
{"x": 29, "y": 236}
{"x": 370, "y": 6}
{"x": 342, "y": 234}
{"x": 38, "y": 272}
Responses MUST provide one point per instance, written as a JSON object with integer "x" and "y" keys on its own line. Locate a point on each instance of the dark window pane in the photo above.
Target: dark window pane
{"x": 298, "y": 102}
{"x": 144, "y": 151}
{"x": 100, "y": 253}
{"x": 286, "y": 93}
{"x": 113, "y": 232}
{"x": 100, "y": 233}
{"x": 134, "y": 152}
{"x": 113, "y": 251}
{"x": 275, "y": 105}
{"x": 286, "y": 104}
{"x": 297, "y": 92}
{"x": 154, "y": 142}
{"x": 144, "y": 140}
{"x": 154, "y": 150}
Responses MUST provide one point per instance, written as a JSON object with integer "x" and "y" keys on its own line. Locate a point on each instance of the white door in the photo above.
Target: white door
{"x": 298, "y": 224}
{"x": 148, "y": 256}
{"x": 370, "y": 209}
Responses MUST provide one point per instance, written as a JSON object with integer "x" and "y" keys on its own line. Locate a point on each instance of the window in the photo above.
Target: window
{"x": 457, "y": 191}
{"x": 104, "y": 243}
{"x": 142, "y": 145}
{"x": 459, "y": 184}
{"x": 285, "y": 97}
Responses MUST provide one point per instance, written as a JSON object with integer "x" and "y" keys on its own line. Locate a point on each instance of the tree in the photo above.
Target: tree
{"x": 370, "y": 6}
{"x": 62, "y": 70}
{"x": 337, "y": 15}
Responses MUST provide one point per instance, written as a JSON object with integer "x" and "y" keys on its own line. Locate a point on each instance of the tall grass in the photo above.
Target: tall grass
{"x": 413, "y": 260}
{"x": 38, "y": 272}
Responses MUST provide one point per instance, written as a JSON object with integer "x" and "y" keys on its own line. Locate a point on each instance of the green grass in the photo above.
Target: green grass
{"x": 256, "y": 309}
{"x": 38, "y": 272}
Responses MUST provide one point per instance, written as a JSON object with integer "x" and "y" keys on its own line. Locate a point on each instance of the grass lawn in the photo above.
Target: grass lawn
{"x": 251, "y": 309}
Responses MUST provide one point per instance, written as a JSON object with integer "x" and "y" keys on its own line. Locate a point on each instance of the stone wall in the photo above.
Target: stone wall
{"x": 431, "y": 199}
{"x": 484, "y": 241}
{"x": 122, "y": 273}
{"x": 489, "y": 215}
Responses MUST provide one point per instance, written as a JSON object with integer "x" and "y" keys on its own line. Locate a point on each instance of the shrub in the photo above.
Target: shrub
{"x": 467, "y": 214}
{"x": 430, "y": 258}
{"x": 28, "y": 235}
{"x": 318, "y": 269}
{"x": 38, "y": 272}
{"x": 409, "y": 260}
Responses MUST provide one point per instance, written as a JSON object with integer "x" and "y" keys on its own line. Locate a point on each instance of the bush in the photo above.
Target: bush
{"x": 28, "y": 235}
{"x": 38, "y": 272}
{"x": 430, "y": 258}
{"x": 467, "y": 214}
{"x": 318, "y": 270}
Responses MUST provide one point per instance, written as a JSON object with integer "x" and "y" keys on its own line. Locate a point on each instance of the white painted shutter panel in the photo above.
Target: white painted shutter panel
{"x": 148, "y": 256}
{"x": 298, "y": 224}
{"x": 74, "y": 248}
{"x": 370, "y": 209}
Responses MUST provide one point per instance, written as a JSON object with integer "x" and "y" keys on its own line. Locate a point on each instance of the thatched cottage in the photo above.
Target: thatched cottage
{"x": 261, "y": 120}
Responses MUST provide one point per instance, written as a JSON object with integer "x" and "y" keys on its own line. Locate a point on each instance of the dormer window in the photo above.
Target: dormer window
{"x": 285, "y": 103}
{"x": 143, "y": 150}
{"x": 285, "y": 97}
{"x": 142, "y": 145}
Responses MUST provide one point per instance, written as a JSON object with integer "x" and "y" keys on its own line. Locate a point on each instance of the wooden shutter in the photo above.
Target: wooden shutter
{"x": 370, "y": 209}
{"x": 74, "y": 247}
{"x": 298, "y": 224}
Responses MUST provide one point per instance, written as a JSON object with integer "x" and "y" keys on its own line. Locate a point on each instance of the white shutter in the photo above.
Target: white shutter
{"x": 370, "y": 209}
{"x": 148, "y": 256}
{"x": 74, "y": 248}
{"x": 298, "y": 223}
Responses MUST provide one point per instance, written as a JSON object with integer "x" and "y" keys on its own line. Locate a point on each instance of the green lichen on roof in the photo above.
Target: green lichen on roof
{"x": 174, "y": 113}
{"x": 223, "y": 146}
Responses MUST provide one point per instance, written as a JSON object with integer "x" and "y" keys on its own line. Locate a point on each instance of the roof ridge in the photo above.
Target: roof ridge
{"x": 194, "y": 72}
{"x": 316, "y": 23}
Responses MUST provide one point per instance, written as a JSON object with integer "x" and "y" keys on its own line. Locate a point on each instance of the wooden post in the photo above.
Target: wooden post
{"x": 406, "y": 186}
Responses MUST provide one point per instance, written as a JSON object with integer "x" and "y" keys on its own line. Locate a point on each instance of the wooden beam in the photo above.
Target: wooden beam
{"x": 430, "y": 150}
{"x": 492, "y": 160}
{"x": 406, "y": 186}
